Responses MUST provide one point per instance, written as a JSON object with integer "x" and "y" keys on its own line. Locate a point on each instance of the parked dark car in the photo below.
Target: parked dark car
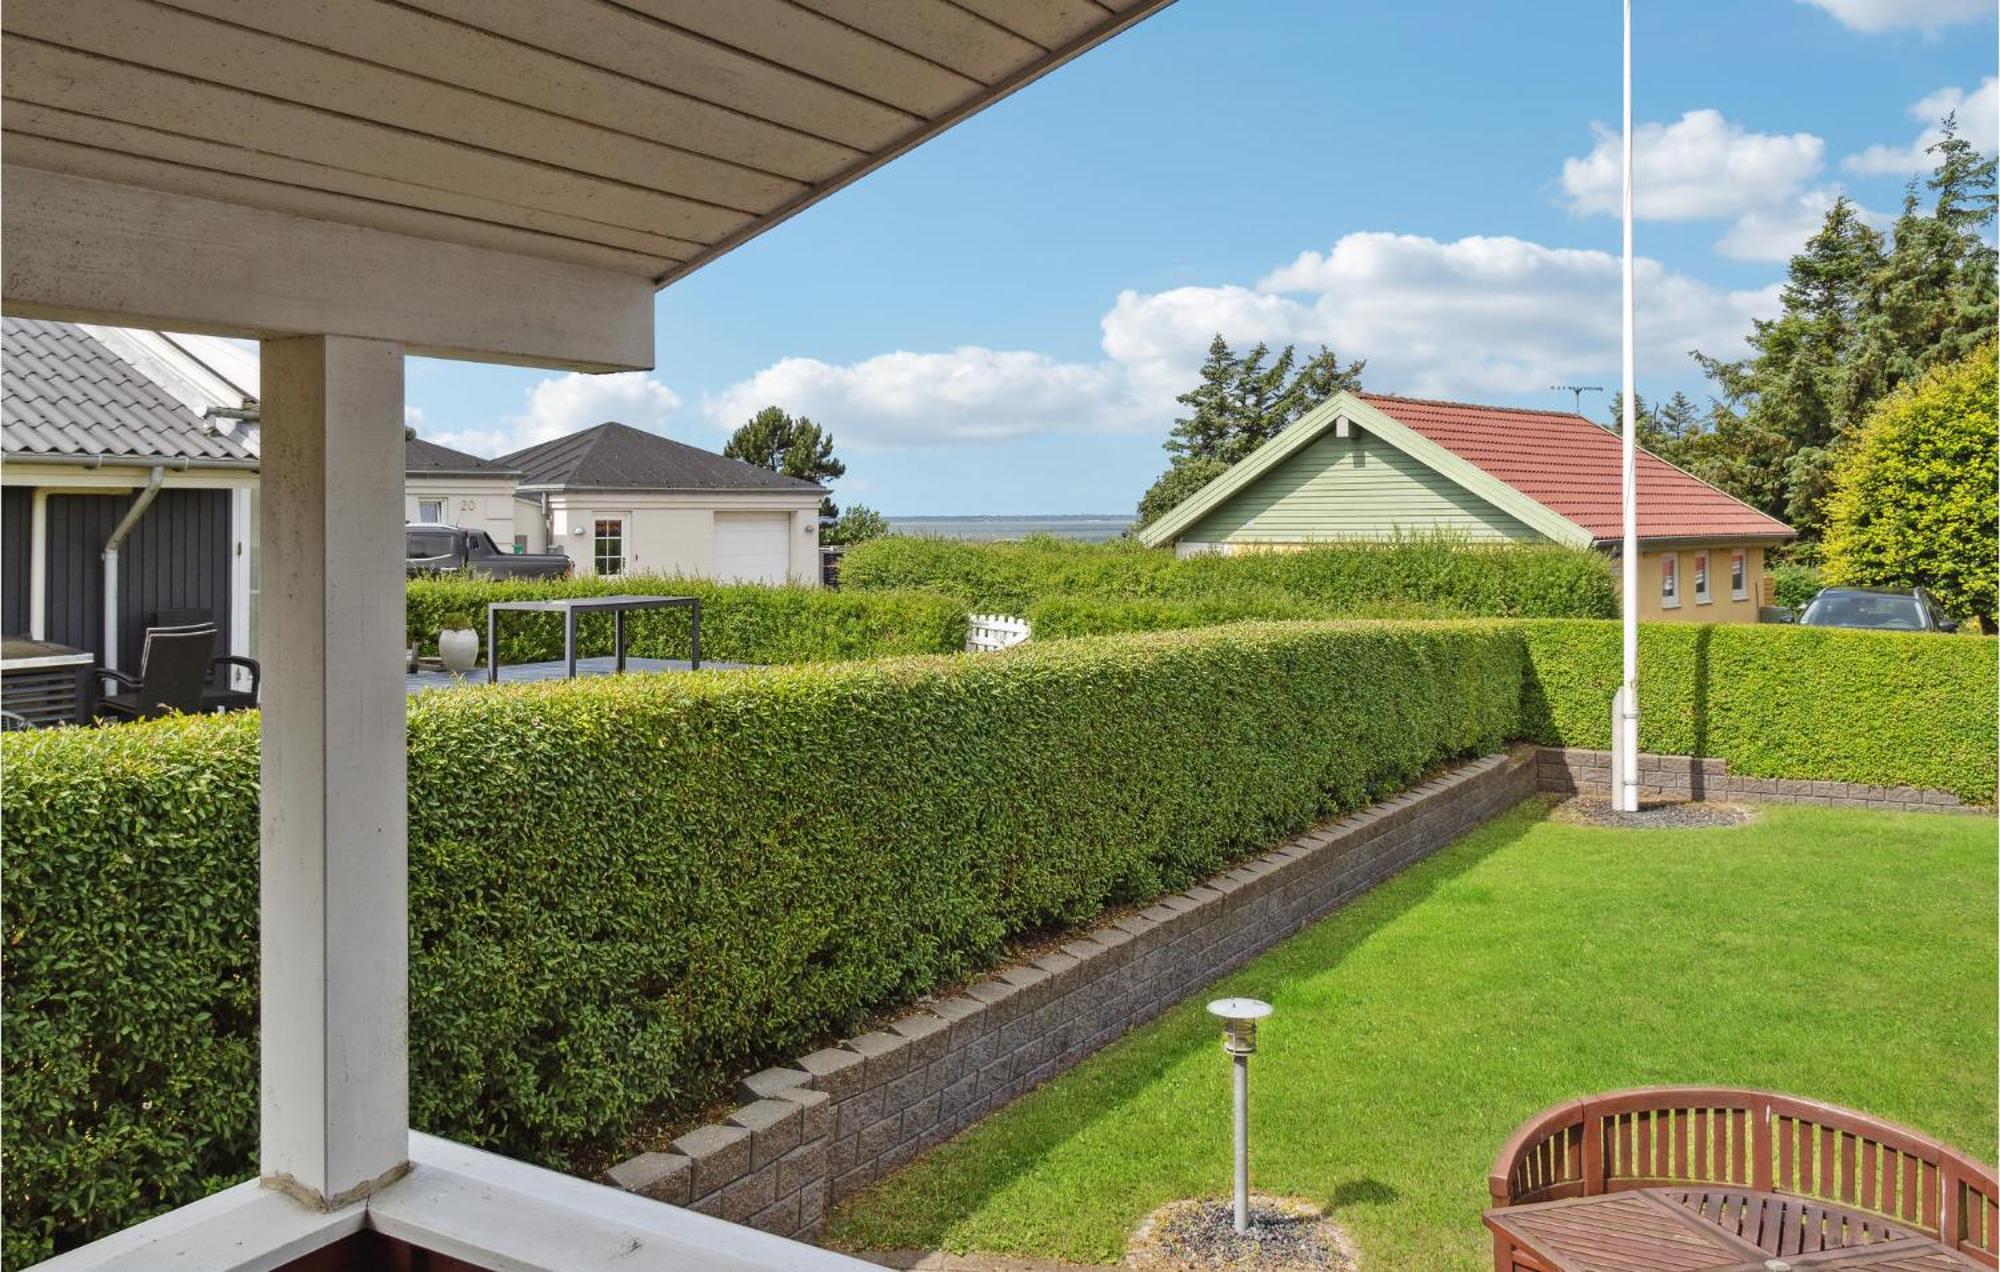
{"x": 430, "y": 549}
{"x": 1882, "y": 609}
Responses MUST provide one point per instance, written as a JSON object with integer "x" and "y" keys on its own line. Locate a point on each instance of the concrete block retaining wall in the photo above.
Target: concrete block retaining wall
{"x": 832, "y": 1122}
{"x": 1572, "y": 771}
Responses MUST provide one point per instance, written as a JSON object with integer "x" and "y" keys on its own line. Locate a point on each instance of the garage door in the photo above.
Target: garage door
{"x": 753, "y": 547}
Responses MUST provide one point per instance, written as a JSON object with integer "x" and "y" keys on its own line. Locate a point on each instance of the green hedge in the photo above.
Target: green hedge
{"x": 622, "y": 888}
{"x": 1779, "y": 701}
{"x": 1434, "y": 575}
{"x": 743, "y": 623}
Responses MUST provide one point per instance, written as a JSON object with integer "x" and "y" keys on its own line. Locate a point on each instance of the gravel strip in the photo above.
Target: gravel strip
{"x": 1285, "y": 1236}
{"x": 1587, "y": 810}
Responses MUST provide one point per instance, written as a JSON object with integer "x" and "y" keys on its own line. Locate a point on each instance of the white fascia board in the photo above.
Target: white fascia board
{"x": 162, "y": 360}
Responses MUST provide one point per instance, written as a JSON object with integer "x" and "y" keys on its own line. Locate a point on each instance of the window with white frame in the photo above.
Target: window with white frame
{"x": 1739, "y": 575}
{"x": 430, "y": 511}
{"x": 608, "y": 546}
{"x": 1701, "y": 593}
{"x": 1670, "y": 580}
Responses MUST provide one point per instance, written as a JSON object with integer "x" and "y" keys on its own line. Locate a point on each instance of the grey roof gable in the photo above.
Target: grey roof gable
{"x": 614, "y": 456}
{"x": 64, "y": 394}
{"x": 431, "y": 459}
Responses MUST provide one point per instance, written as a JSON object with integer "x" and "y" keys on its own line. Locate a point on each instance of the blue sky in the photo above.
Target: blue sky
{"x": 997, "y": 322}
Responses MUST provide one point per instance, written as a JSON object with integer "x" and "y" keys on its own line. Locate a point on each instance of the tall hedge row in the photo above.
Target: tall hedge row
{"x": 1433, "y": 575}
{"x": 746, "y": 623}
{"x": 1885, "y": 708}
{"x": 622, "y": 888}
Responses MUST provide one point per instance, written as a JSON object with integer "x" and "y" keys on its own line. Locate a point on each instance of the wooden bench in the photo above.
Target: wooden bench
{"x": 1757, "y": 1141}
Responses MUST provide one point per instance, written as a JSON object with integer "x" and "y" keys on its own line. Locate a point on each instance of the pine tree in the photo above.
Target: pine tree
{"x": 1862, "y": 316}
{"x": 1214, "y": 408}
{"x": 1239, "y": 404}
{"x": 795, "y": 447}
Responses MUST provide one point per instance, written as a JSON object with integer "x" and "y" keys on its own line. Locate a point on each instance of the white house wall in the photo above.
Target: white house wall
{"x": 675, "y": 534}
{"x": 475, "y": 503}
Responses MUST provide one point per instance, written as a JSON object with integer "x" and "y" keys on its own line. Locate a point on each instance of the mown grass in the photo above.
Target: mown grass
{"x": 1843, "y": 955}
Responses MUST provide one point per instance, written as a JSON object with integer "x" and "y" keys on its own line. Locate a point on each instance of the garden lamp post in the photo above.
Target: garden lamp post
{"x": 1239, "y": 1018}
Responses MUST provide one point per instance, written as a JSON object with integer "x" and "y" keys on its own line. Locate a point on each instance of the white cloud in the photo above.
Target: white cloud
{"x": 1476, "y": 317}
{"x": 967, "y": 395}
{"x": 1700, "y": 166}
{"x": 1978, "y": 122}
{"x": 1778, "y": 233}
{"x": 1503, "y": 315}
{"x": 560, "y": 405}
{"x": 563, "y": 404}
{"x": 1874, "y": 16}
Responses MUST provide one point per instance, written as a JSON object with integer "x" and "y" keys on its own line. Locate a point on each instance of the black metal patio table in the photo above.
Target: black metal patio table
{"x": 570, "y": 606}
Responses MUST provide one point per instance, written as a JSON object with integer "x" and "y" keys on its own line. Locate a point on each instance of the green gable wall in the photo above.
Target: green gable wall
{"x": 1352, "y": 488}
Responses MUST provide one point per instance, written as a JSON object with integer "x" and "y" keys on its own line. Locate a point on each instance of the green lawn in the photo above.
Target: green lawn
{"x": 1843, "y": 955}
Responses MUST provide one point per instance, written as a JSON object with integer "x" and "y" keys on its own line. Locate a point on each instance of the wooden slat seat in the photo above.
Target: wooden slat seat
{"x": 1788, "y": 1175}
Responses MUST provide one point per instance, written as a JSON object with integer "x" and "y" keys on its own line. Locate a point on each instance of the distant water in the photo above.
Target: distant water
{"x": 1083, "y": 529}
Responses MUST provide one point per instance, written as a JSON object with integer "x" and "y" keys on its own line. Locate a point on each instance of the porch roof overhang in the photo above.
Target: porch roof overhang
{"x": 553, "y": 163}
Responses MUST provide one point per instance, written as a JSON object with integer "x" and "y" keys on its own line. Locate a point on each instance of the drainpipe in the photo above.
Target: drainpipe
{"x": 111, "y": 546}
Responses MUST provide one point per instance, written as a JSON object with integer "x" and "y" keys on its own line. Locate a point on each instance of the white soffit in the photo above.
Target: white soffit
{"x": 640, "y": 137}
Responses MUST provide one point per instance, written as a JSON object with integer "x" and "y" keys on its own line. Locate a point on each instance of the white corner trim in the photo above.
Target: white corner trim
{"x": 459, "y": 1201}
{"x": 508, "y": 1215}
{"x": 248, "y": 1228}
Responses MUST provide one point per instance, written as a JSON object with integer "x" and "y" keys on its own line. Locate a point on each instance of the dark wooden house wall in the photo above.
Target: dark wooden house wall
{"x": 16, "y": 510}
{"x": 177, "y": 557}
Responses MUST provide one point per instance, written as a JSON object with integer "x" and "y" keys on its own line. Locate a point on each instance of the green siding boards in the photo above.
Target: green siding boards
{"x": 1353, "y": 488}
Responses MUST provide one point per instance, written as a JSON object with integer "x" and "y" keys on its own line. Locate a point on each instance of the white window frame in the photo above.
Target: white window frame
{"x": 426, "y": 506}
{"x": 1704, "y": 588}
{"x": 597, "y": 556}
{"x": 1739, "y": 574}
{"x": 1670, "y": 580}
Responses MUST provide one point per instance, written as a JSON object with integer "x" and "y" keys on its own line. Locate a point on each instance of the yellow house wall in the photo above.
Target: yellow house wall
{"x": 1721, "y": 606}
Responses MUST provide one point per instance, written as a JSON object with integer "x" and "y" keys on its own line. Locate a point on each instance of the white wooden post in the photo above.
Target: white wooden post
{"x": 335, "y": 886}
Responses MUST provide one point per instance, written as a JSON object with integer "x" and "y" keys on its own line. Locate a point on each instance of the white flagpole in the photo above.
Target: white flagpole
{"x": 1625, "y": 710}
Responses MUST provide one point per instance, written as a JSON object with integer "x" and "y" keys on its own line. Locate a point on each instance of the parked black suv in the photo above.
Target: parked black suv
{"x": 1882, "y": 609}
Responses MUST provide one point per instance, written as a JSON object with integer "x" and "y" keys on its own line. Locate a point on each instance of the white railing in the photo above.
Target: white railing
{"x": 989, "y": 632}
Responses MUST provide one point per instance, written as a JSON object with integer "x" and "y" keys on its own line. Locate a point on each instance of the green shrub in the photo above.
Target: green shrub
{"x": 621, "y": 888}
{"x": 1431, "y": 574}
{"x": 1914, "y": 492}
{"x": 1884, "y": 708}
{"x": 1061, "y": 617}
{"x": 744, "y": 623}
{"x": 1794, "y": 584}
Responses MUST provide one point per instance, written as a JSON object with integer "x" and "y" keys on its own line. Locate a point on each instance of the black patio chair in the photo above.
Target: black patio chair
{"x": 217, "y": 689}
{"x": 174, "y": 663}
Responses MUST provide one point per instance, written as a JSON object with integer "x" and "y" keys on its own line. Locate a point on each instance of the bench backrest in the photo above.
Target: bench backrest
{"x": 1758, "y": 1140}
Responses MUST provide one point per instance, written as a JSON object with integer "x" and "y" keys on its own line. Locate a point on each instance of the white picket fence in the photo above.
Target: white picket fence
{"x": 988, "y": 632}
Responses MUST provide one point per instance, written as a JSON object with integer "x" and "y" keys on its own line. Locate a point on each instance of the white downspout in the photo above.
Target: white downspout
{"x": 147, "y": 494}
{"x": 1625, "y": 710}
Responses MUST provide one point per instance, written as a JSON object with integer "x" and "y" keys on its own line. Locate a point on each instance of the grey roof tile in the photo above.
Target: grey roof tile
{"x": 64, "y": 393}
{"x": 614, "y": 456}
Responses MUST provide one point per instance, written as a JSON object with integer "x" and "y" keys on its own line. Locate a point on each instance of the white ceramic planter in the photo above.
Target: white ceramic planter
{"x": 458, "y": 647}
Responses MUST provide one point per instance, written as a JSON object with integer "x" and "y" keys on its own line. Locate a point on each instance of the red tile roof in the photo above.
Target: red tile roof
{"x": 1571, "y": 466}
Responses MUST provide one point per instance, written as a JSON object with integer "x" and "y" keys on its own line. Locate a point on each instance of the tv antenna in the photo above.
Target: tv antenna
{"x": 1579, "y": 390}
